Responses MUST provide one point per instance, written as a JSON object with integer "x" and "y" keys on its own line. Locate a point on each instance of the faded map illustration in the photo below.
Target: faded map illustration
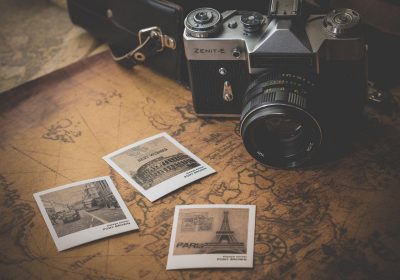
{"x": 338, "y": 220}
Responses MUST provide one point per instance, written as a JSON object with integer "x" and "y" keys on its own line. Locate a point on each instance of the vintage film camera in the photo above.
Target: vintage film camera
{"x": 297, "y": 81}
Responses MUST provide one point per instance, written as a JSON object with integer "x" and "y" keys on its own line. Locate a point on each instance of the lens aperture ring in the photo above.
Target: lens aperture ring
{"x": 297, "y": 84}
{"x": 272, "y": 95}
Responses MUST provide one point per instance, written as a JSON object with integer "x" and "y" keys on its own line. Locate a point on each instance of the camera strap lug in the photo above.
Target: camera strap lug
{"x": 151, "y": 42}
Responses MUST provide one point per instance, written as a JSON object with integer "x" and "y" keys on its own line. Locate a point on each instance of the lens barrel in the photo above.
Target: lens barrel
{"x": 276, "y": 125}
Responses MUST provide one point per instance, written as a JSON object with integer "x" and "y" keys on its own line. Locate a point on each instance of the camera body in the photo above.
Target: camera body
{"x": 298, "y": 82}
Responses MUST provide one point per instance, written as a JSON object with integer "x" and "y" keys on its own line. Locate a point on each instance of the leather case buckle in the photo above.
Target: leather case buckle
{"x": 155, "y": 32}
{"x": 151, "y": 41}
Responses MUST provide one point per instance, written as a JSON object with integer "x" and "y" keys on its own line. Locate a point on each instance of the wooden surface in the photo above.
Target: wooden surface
{"x": 335, "y": 221}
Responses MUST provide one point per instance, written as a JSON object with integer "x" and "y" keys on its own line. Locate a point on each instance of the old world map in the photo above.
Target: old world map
{"x": 337, "y": 220}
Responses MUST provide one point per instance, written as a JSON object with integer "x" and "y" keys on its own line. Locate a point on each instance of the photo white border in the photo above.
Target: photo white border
{"x": 168, "y": 185}
{"x": 90, "y": 234}
{"x": 210, "y": 260}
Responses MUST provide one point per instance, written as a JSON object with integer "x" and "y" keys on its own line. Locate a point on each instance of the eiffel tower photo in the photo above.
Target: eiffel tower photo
{"x": 225, "y": 241}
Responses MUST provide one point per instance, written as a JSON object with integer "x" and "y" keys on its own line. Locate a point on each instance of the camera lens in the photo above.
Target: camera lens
{"x": 276, "y": 125}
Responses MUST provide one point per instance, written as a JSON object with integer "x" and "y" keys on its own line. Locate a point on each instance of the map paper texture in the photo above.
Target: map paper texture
{"x": 158, "y": 165}
{"x": 84, "y": 211}
{"x": 212, "y": 236}
{"x": 335, "y": 220}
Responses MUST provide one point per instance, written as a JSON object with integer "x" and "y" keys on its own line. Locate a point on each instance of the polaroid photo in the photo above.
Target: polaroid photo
{"x": 157, "y": 165}
{"x": 212, "y": 236}
{"x": 84, "y": 211}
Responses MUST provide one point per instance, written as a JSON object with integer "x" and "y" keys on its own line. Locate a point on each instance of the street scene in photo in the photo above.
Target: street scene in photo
{"x": 157, "y": 165}
{"x": 81, "y": 207}
{"x": 84, "y": 211}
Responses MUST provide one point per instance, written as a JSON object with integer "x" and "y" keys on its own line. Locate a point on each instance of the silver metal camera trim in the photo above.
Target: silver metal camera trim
{"x": 231, "y": 38}
{"x": 228, "y": 40}
{"x": 353, "y": 48}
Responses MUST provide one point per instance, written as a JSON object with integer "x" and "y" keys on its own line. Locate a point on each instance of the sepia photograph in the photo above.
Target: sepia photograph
{"x": 212, "y": 236}
{"x": 92, "y": 205}
{"x": 211, "y": 231}
{"x": 154, "y": 162}
{"x": 157, "y": 165}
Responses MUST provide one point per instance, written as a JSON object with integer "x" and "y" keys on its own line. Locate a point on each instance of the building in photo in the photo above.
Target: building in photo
{"x": 163, "y": 168}
{"x": 50, "y": 210}
{"x": 225, "y": 241}
{"x": 97, "y": 195}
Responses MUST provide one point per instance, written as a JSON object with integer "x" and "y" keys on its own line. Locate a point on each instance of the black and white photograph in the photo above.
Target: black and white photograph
{"x": 212, "y": 236}
{"x": 157, "y": 165}
{"x": 84, "y": 211}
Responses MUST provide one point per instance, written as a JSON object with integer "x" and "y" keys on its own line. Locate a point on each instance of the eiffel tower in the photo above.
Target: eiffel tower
{"x": 225, "y": 241}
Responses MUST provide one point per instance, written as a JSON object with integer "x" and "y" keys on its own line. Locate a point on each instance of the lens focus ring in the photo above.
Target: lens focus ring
{"x": 275, "y": 96}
